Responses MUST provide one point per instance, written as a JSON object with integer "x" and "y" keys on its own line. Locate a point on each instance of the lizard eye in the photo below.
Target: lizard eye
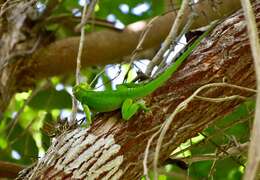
{"x": 84, "y": 86}
{"x": 79, "y": 89}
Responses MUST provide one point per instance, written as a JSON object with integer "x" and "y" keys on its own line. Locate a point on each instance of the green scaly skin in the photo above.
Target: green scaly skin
{"x": 110, "y": 100}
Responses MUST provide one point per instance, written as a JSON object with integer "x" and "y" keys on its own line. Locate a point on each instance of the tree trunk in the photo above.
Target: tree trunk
{"x": 114, "y": 149}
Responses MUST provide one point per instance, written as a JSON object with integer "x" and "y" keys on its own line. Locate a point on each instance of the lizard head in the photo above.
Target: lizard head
{"x": 78, "y": 90}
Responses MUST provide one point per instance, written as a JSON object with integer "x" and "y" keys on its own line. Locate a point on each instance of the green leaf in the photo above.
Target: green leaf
{"x": 23, "y": 142}
{"x": 67, "y": 6}
{"x": 51, "y": 99}
{"x": 157, "y": 7}
{"x": 3, "y": 126}
{"x": 46, "y": 141}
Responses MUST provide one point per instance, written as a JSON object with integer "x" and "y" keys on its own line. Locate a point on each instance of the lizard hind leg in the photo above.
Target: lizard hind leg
{"x": 88, "y": 113}
{"x": 130, "y": 108}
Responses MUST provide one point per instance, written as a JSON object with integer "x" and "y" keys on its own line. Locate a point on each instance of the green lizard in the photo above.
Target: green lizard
{"x": 125, "y": 94}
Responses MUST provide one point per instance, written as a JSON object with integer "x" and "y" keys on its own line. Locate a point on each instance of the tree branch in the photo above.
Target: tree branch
{"x": 9, "y": 170}
{"x": 107, "y": 47}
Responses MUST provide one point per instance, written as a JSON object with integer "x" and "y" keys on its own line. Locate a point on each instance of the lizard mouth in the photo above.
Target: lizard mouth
{"x": 76, "y": 89}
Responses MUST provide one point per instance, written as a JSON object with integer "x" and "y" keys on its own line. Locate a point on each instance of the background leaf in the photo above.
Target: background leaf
{"x": 51, "y": 99}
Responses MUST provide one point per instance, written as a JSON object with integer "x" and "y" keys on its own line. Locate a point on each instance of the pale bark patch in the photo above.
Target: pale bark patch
{"x": 82, "y": 155}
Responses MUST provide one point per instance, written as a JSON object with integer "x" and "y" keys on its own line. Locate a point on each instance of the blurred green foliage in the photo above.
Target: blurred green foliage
{"x": 51, "y": 99}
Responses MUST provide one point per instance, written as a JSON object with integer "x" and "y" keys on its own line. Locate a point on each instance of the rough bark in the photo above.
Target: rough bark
{"x": 101, "y": 47}
{"x": 114, "y": 149}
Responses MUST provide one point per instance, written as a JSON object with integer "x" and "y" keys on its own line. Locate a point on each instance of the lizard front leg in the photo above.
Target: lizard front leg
{"x": 87, "y": 112}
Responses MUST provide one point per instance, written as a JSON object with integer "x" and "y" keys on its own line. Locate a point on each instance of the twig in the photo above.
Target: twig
{"x": 217, "y": 100}
{"x": 110, "y": 80}
{"x": 254, "y": 147}
{"x": 97, "y": 76}
{"x": 232, "y": 151}
{"x": 86, "y": 17}
{"x": 212, "y": 168}
{"x": 169, "y": 39}
{"x": 81, "y": 44}
{"x": 213, "y": 135}
{"x": 181, "y": 107}
{"x": 173, "y": 44}
{"x": 222, "y": 150}
{"x": 7, "y": 5}
{"x": 146, "y": 155}
{"x": 140, "y": 43}
{"x": 148, "y": 131}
